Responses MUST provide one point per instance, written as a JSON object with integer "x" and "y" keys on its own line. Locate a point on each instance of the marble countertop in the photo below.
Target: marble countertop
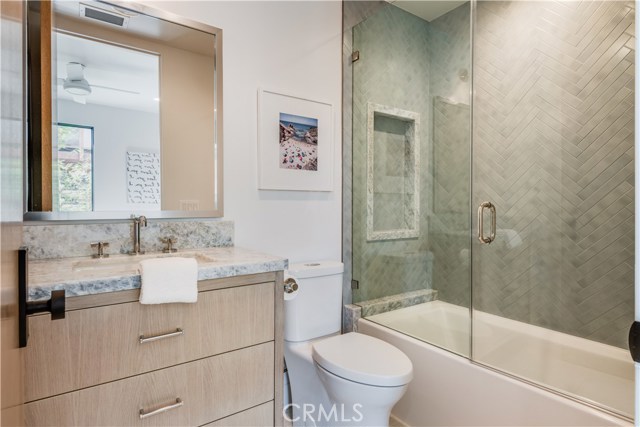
{"x": 86, "y": 276}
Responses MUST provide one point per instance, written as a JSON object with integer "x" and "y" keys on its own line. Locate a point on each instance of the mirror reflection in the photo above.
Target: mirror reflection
{"x": 101, "y": 166}
{"x": 133, "y": 116}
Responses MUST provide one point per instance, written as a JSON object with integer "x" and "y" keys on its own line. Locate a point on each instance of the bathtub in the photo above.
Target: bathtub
{"x": 448, "y": 389}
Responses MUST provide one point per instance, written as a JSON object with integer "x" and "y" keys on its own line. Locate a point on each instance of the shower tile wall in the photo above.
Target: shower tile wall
{"x": 393, "y": 70}
{"x": 553, "y": 149}
{"x": 450, "y": 220}
{"x": 354, "y": 12}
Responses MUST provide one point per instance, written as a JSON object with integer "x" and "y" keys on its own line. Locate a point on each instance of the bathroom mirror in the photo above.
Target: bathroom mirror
{"x": 125, "y": 113}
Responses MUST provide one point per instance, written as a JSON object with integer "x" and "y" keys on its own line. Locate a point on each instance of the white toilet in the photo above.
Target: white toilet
{"x": 351, "y": 379}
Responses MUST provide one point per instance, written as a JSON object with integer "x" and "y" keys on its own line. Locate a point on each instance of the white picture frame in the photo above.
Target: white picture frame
{"x": 143, "y": 178}
{"x": 294, "y": 163}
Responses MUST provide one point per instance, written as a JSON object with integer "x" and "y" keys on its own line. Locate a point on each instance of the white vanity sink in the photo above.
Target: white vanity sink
{"x": 132, "y": 262}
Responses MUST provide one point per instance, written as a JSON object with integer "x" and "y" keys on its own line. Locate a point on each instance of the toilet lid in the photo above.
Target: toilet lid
{"x": 364, "y": 359}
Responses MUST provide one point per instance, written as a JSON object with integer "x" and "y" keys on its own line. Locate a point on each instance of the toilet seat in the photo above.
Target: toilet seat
{"x": 363, "y": 359}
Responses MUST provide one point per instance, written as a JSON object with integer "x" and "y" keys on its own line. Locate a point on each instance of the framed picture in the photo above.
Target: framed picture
{"x": 295, "y": 143}
{"x": 143, "y": 178}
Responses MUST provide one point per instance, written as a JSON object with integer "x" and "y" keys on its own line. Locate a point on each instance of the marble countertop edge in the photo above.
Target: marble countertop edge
{"x": 234, "y": 262}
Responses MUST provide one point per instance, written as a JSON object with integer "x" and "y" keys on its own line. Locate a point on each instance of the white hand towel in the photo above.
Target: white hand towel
{"x": 167, "y": 280}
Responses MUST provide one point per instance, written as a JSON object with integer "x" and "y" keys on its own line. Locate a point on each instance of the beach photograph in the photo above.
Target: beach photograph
{"x": 298, "y": 142}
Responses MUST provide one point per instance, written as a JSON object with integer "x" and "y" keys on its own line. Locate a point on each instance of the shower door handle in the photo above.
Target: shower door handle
{"x": 492, "y": 232}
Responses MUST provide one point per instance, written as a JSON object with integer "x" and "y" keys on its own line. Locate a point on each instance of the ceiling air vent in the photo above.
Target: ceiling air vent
{"x": 108, "y": 17}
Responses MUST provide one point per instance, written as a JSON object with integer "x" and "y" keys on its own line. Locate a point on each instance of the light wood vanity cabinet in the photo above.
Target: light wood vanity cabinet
{"x": 221, "y": 357}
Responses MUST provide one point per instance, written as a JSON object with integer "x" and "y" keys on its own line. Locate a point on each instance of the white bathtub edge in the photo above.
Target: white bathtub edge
{"x": 482, "y": 397}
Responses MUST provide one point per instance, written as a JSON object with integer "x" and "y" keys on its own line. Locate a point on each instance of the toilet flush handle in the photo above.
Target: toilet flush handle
{"x": 290, "y": 285}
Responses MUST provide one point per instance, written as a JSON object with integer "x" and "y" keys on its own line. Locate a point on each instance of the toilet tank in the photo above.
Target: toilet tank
{"x": 315, "y": 309}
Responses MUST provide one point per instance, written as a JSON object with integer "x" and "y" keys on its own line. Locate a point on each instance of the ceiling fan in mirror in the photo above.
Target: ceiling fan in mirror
{"x": 79, "y": 87}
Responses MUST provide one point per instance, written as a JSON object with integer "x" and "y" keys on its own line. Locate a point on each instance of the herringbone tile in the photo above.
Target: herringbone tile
{"x": 392, "y": 64}
{"x": 449, "y": 224}
{"x": 553, "y": 149}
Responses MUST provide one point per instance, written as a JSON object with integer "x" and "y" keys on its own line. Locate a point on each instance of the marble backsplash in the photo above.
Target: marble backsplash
{"x": 73, "y": 240}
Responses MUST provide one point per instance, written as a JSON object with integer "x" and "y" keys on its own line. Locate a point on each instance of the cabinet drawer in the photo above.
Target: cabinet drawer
{"x": 209, "y": 389}
{"x": 97, "y": 345}
{"x": 258, "y": 416}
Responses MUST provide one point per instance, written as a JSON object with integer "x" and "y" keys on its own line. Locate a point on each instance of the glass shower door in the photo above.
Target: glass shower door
{"x": 411, "y": 124}
{"x": 553, "y": 141}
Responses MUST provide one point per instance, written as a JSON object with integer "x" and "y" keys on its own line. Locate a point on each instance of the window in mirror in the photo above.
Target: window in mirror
{"x": 73, "y": 168}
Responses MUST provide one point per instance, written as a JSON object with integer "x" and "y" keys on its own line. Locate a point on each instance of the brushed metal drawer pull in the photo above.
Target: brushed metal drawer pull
{"x": 144, "y": 339}
{"x": 178, "y": 404}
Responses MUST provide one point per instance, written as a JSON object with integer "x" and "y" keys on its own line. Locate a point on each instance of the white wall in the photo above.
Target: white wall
{"x": 292, "y": 47}
{"x": 115, "y": 131}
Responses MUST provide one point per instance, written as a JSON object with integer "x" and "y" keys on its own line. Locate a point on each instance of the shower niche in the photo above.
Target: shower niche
{"x": 393, "y": 165}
